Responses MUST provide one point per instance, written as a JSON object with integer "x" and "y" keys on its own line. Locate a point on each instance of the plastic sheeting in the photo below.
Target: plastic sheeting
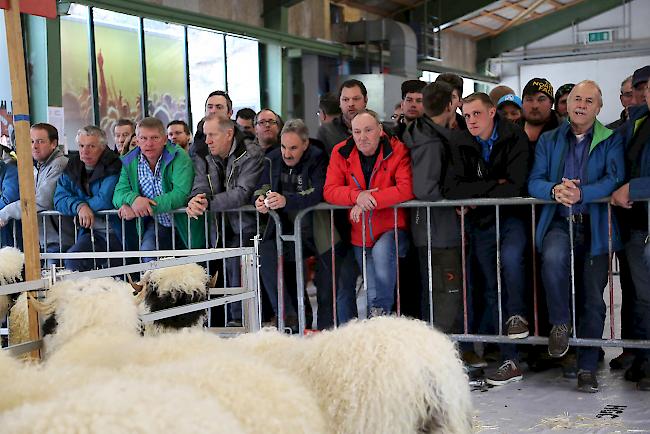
{"x": 546, "y": 402}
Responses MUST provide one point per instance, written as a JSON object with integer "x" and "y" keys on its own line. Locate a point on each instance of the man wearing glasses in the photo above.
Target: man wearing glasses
{"x": 267, "y": 129}
{"x": 156, "y": 178}
{"x": 627, "y": 99}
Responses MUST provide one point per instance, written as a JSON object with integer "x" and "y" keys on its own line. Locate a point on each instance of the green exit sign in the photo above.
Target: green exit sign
{"x": 599, "y": 36}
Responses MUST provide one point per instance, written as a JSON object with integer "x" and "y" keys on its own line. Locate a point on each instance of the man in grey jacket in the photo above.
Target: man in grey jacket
{"x": 50, "y": 163}
{"x": 428, "y": 139}
{"x": 224, "y": 180}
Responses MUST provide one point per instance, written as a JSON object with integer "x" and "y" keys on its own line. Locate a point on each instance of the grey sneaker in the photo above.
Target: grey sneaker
{"x": 558, "y": 340}
{"x": 473, "y": 360}
{"x": 587, "y": 381}
{"x": 376, "y": 311}
{"x": 508, "y": 372}
{"x": 517, "y": 327}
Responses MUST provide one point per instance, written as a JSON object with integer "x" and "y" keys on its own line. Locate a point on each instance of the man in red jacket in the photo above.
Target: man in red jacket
{"x": 372, "y": 172}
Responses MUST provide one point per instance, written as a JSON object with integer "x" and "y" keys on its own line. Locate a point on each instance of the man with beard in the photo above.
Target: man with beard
{"x": 561, "y": 97}
{"x": 411, "y": 105}
{"x": 539, "y": 116}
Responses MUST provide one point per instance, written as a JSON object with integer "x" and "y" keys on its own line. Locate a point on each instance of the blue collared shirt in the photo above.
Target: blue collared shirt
{"x": 486, "y": 145}
{"x": 575, "y": 165}
{"x": 151, "y": 185}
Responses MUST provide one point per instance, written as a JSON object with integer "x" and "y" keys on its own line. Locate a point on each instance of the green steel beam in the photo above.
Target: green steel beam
{"x": 537, "y": 29}
{"x": 44, "y": 57}
{"x": 144, "y": 9}
{"x": 276, "y": 15}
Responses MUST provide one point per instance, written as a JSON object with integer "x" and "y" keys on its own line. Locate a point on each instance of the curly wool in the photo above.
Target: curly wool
{"x": 12, "y": 261}
{"x": 18, "y": 321}
{"x": 191, "y": 279}
{"x": 384, "y": 375}
{"x": 104, "y": 306}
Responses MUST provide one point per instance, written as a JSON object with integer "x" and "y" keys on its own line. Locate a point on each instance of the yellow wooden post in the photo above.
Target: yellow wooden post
{"x": 24, "y": 154}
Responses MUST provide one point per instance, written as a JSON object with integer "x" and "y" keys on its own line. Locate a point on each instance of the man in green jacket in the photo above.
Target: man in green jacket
{"x": 156, "y": 178}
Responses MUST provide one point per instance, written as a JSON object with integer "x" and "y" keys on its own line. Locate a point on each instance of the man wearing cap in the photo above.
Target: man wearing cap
{"x": 539, "y": 116}
{"x": 639, "y": 84}
{"x": 560, "y": 99}
{"x": 509, "y": 107}
{"x": 411, "y": 105}
{"x": 632, "y": 213}
{"x": 575, "y": 165}
{"x": 627, "y": 100}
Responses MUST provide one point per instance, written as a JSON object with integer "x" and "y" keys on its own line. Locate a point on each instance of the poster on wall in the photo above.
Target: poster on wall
{"x": 6, "y": 116}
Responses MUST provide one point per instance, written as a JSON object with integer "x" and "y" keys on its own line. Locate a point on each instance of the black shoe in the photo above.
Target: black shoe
{"x": 569, "y": 366}
{"x": 558, "y": 340}
{"x": 643, "y": 384}
{"x": 622, "y": 361}
{"x": 234, "y": 323}
{"x": 587, "y": 381}
{"x": 635, "y": 372}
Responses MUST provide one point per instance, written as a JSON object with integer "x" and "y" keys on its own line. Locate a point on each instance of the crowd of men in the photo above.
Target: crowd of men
{"x": 542, "y": 144}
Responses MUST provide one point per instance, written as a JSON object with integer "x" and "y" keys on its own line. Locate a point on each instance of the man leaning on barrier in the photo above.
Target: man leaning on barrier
{"x": 293, "y": 179}
{"x": 156, "y": 178}
{"x": 85, "y": 187}
{"x": 632, "y": 213}
{"x": 492, "y": 160}
{"x": 225, "y": 179}
{"x": 50, "y": 162}
{"x": 372, "y": 172}
{"x": 575, "y": 164}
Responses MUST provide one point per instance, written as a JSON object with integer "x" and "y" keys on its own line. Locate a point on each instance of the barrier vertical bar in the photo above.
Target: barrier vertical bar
{"x": 333, "y": 270}
{"x": 463, "y": 261}
{"x": 429, "y": 266}
{"x": 499, "y": 283}
{"x": 534, "y": 256}
{"x": 610, "y": 277}
{"x": 573, "y": 269}
{"x": 364, "y": 272}
{"x": 398, "y": 301}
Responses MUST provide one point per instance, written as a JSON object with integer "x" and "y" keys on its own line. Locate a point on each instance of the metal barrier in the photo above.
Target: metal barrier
{"x": 248, "y": 293}
{"x": 466, "y": 336}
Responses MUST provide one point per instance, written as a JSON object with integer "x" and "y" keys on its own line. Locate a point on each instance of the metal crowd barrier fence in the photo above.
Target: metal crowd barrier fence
{"x": 462, "y": 206}
{"x": 249, "y": 292}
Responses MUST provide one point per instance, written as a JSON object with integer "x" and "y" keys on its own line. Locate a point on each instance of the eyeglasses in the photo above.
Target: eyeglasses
{"x": 267, "y": 123}
{"x": 627, "y": 94}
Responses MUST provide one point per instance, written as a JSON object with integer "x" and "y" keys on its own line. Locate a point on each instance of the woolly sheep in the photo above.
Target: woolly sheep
{"x": 171, "y": 287}
{"x": 18, "y": 321}
{"x": 119, "y": 405}
{"x": 384, "y": 375}
{"x": 11, "y": 270}
{"x": 264, "y": 399}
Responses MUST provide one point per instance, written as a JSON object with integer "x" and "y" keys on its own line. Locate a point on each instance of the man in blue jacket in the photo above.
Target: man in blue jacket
{"x": 577, "y": 163}
{"x": 9, "y": 193}
{"x": 86, "y": 187}
{"x": 632, "y": 213}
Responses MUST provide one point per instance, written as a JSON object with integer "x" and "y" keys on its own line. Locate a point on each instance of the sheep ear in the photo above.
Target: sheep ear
{"x": 137, "y": 287}
{"x": 213, "y": 281}
{"x": 139, "y": 298}
{"x": 40, "y": 307}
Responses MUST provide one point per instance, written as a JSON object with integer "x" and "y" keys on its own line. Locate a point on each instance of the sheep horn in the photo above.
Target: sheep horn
{"x": 137, "y": 287}
{"x": 40, "y": 307}
{"x": 213, "y": 281}
{"x": 139, "y": 298}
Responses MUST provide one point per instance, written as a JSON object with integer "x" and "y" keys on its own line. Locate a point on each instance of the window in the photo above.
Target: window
{"x": 75, "y": 75}
{"x": 165, "y": 60}
{"x": 243, "y": 73}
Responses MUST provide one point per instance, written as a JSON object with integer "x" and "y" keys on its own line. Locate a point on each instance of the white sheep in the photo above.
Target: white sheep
{"x": 12, "y": 261}
{"x": 119, "y": 405}
{"x": 384, "y": 375}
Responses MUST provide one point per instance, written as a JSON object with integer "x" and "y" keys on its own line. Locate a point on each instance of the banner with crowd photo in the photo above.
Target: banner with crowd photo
{"x": 6, "y": 116}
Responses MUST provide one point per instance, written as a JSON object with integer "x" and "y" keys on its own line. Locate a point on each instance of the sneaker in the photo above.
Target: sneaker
{"x": 517, "y": 327}
{"x": 636, "y": 371}
{"x": 473, "y": 360}
{"x": 622, "y": 361}
{"x": 587, "y": 381}
{"x": 569, "y": 365}
{"x": 507, "y": 373}
{"x": 558, "y": 340}
{"x": 376, "y": 311}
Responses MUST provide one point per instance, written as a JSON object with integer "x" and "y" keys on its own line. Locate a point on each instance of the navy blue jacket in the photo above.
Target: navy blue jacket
{"x": 605, "y": 173}
{"x": 9, "y": 191}
{"x": 639, "y": 187}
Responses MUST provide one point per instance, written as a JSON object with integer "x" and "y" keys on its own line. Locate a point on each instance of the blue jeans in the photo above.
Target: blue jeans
{"x": 483, "y": 244}
{"x": 590, "y": 281}
{"x": 637, "y": 253}
{"x": 381, "y": 268}
{"x": 164, "y": 238}
{"x": 346, "y": 288}
{"x": 84, "y": 244}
